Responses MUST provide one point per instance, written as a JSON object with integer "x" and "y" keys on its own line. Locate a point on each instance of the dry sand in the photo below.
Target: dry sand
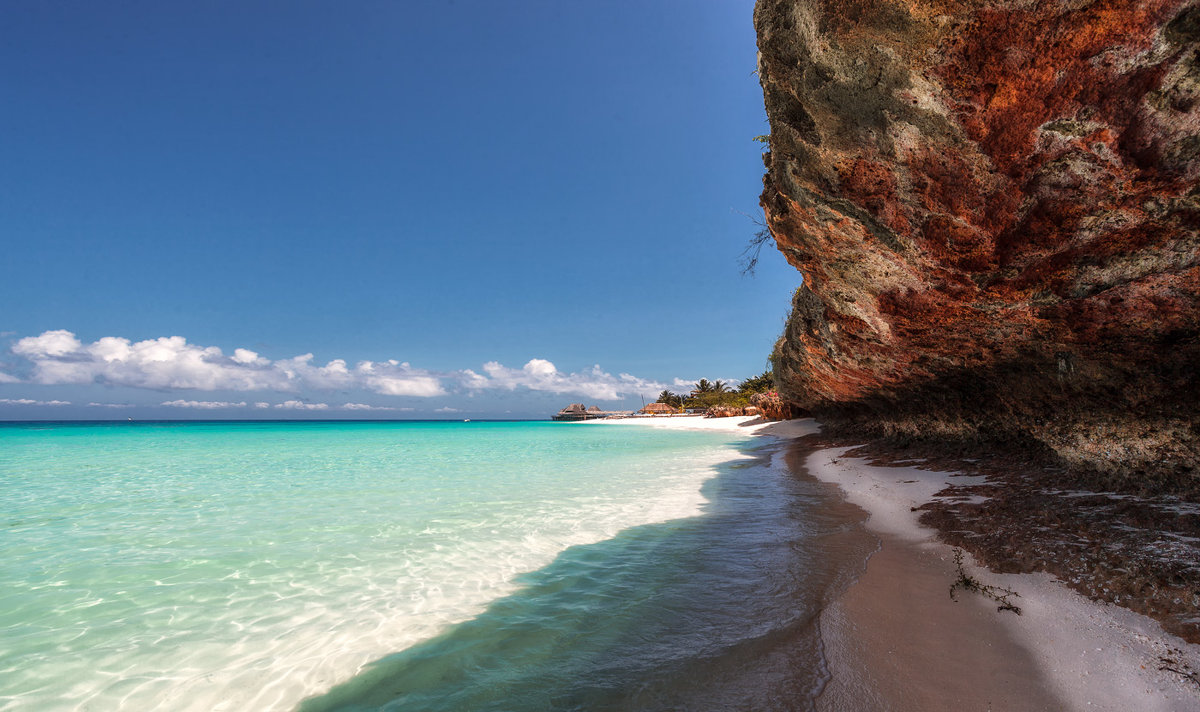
{"x": 896, "y": 641}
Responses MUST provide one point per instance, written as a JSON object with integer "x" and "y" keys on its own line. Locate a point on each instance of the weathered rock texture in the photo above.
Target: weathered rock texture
{"x": 995, "y": 207}
{"x": 771, "y": 406}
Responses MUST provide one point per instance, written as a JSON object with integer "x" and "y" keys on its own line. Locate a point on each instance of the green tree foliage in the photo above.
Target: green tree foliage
{"x": 759, "y": 384}
{"x": 711, "y": 398}
{"x": 672, "y": 399}
{"x": 708, "y": 393}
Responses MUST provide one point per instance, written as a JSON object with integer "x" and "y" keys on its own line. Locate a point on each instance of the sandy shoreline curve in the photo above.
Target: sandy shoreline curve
{"x": 896, "y": 641}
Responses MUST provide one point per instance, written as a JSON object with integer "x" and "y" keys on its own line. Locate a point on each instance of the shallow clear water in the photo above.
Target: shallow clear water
{"x": 452, "y": 566}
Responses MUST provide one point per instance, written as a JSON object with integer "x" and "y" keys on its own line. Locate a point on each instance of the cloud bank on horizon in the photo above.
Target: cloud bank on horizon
{"x": 59, "y": 357}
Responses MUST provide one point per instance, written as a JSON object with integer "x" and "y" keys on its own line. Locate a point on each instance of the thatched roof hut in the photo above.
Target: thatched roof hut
{"x": 659, "y": 409}
{"x": 577, "y": 411}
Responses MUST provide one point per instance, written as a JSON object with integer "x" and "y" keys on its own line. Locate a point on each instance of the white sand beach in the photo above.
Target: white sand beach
{"x": 895, "y": 640}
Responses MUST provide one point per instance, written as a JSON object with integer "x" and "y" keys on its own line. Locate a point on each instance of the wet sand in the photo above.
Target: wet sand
{"x": 894, "y": 640}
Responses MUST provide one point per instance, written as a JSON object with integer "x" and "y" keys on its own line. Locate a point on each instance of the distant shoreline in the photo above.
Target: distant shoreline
{"x": 895, "y": 638}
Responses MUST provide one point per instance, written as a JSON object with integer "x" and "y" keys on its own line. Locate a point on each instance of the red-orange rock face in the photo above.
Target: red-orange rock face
{"x": 996, "y": 210}
{"x": 770, "y": 406}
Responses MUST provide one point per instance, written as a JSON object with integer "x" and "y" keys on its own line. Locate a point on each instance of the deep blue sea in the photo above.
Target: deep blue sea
{"x": 411, "y": 566}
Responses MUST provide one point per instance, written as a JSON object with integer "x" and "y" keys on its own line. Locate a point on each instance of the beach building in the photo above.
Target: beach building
{"x": 577, "y": 411}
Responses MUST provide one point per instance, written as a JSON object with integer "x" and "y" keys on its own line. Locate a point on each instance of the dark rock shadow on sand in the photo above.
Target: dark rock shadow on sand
{"x": 712, "y": 612}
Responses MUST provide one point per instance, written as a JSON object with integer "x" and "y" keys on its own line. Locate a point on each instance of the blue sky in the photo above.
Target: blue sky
{"x": 473, "y": 209}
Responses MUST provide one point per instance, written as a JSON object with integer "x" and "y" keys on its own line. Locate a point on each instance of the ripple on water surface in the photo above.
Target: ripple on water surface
{"x": 400, "y": 566}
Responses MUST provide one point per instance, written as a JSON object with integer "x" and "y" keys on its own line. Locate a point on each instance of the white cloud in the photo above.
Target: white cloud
{"x": 364, "y": 406}
{"x": 165, "y": 363}
{"x": 171, "y": 363}
{"x": 30, "y": 401}
{"x": 393, "y": 378}
{"x": 446, "y": 409}
{"x": 5, "y": 378}
{"x": 94, "y": 404}
{"x": 204, "y": 405}
{"x": 248, "y": 357}
{"x": 472, "y": 381}
{"x": 300, "y": 405}
{"x": 419, "y": 386}
{"x": 59, "y": 342}
{"x": 542, "y": 375}
{"x": 299, "y": 369}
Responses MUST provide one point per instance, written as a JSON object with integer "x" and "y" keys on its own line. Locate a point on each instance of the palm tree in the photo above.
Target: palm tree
{"x": 702, "y": 386}
{"x": 672, "y": 399}
{"x": 759, "y": 384}
{"x": 719, "y": 387}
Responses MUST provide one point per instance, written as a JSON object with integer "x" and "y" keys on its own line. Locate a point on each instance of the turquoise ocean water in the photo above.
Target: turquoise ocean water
{"x": 410, "y": 566}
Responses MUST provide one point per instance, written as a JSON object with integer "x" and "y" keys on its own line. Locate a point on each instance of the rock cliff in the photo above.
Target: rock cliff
{"x": 995, "y": 209}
